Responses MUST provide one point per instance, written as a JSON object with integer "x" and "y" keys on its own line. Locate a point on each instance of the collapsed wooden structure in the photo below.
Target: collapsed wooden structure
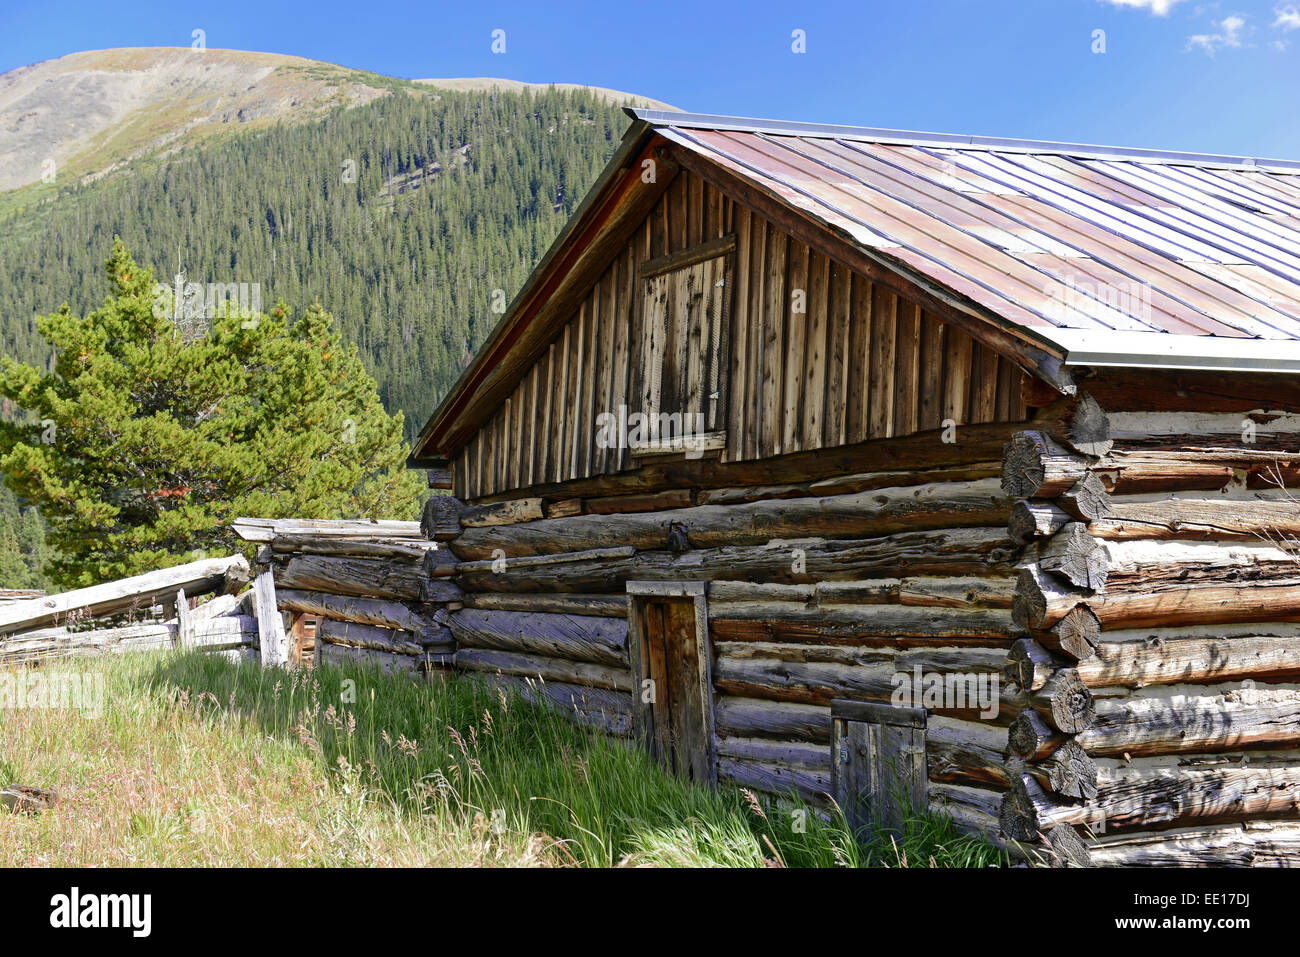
{"x": 190, "y": 606}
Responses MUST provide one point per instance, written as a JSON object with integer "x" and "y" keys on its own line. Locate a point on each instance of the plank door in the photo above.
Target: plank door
{"x": 878, "y": 767}
{"x": 672, "y": 687}
{"x": 683, "y": 336}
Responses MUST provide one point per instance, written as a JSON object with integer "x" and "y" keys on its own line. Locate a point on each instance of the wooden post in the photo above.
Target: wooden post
{"x": 184, "y": 622}
{"x": 878, "y": 766}
{"x": 270, "y": 624}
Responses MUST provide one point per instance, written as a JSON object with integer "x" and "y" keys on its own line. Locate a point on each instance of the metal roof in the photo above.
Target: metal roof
{"x": 1113, "y": 255}
{"x": 1098, "y": 255}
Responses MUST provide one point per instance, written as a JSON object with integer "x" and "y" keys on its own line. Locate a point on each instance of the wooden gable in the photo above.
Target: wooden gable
{"x": 803, "y": 354}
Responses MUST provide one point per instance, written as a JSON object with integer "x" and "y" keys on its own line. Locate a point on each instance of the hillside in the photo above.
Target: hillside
{"x": 410, "y": 218}
{"x": 89, "y": 113}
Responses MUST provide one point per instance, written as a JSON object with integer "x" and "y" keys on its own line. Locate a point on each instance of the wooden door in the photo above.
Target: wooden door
{"x": 878, "y": 766}
{"x": 672, "y": 690}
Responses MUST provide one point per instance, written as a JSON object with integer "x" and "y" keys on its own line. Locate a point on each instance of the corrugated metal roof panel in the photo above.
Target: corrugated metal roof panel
{"x": 1050, "y": 236}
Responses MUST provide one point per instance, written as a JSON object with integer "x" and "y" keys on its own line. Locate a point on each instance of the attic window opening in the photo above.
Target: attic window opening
{"x": 684, "y": 302}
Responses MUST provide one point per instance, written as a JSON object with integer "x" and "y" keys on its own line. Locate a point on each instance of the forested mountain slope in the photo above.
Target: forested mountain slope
{"x": 410, "y": 218}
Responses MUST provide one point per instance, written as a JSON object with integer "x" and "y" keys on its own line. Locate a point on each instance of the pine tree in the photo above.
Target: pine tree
{"x": 146, "y": 440}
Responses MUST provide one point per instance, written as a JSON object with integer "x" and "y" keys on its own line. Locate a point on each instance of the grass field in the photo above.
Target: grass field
{"x": 195, "y": 761}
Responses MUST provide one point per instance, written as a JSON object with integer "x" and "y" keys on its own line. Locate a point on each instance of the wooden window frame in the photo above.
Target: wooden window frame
{"x": 714, "y": 441}
{"x": 641, "y": 711}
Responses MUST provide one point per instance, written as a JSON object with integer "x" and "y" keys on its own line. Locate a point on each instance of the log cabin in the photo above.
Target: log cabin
{"x": 817, "y": 457}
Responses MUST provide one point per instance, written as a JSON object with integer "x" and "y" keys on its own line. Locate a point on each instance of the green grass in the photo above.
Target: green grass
{"x": 197, "y": 761}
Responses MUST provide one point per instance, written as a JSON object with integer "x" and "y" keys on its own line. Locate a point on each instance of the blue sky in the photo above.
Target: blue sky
{"x": 1174, "y": 74}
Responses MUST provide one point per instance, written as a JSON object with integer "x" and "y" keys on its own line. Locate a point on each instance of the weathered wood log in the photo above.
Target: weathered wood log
{"x": 879, "y": 512}
{"x": 1256, "y": 430}
{"x": 603, "y": 606}
{"x": 143, "y": 636}
{"x": 955, "y": 688}
{"x": 1243, "y": 515}
{"x": 922, "y": 591}
{"x": 918, "y": 453}
{"x": 1137, "y": 565}
{"x": 1133, "y": 799}
{"x": 124, "y": 594}
{"x": 1064, "y": 702}
{"x": 363, "y": 578}
{"x": 651, "y": 502}
{"x": 24, "y": 799}
{"x": 813, "y": 785}
{"x": 1086, "y": 499}
{"x": 563, "y": 508}
{"x": 1080, "y": 422}
{"x": 1041, "y": 600}
{"x": 1249, "y": 844}
{"x": 272, "y": 643}
{"x": 440, "y": 521}
{"x": 421, "y": 620}
{"x": 791, "y": 753}
{"x": 1075, "y": 636}
{"x": 1029, "y": 664}
{"x": 269, "y": 530}
{"x": 1035, "y": 518}
{"x": 962, "y": 551}
{"x": 412, "y": 550}
{"x": 965, "y": 752}
{"x": 353, "y": 635}
{"x": 1065, "y": 848}
{"x": 501, "y": 513}
{"x": 610, "y": 711}
{"x": 440, "y": 563}
{"x": 1068, "y": 771}
{"x": 342, "y": 656}
{"x": 1035, "y": 466}
{"x": 185, "y": 637}
{"x": 598, "y": 640}
{"x": 1077, "y": 557}
{"x": 1030, "y": 738}
{"x": 1159, "y": 661}
{"x": 1182, "y": 724}
{"x": 846, "y": 484}
{"x": 852, "y": 624}
{"x": 756, "y": 717}
{"x": 548, "y": 669}
{"x": 1027, "y": 810}
{"x": 1201, "y": 603}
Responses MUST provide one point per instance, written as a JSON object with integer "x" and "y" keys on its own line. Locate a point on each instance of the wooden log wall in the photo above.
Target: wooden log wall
{"x": 1159, "y": 581}
{"x": 816, "y": 357}
{"x": 820, "y": 589}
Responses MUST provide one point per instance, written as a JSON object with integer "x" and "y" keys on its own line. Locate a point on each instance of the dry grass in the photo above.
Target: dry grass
{"x": 194, "y": 761}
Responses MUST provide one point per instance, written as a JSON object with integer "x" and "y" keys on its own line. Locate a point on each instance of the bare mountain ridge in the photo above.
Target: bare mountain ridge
{"x": 84, "y": 114}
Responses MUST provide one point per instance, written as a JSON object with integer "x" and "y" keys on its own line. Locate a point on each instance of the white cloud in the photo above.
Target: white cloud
{"x": 1288, "y": 18}
{"x": 1278, "y": 45}
{"x": 1229, "y": 35}
{"x": 1160, "y": 8}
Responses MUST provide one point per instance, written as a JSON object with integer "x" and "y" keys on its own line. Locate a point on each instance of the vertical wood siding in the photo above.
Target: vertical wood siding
{"x": 812, "y": 356}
